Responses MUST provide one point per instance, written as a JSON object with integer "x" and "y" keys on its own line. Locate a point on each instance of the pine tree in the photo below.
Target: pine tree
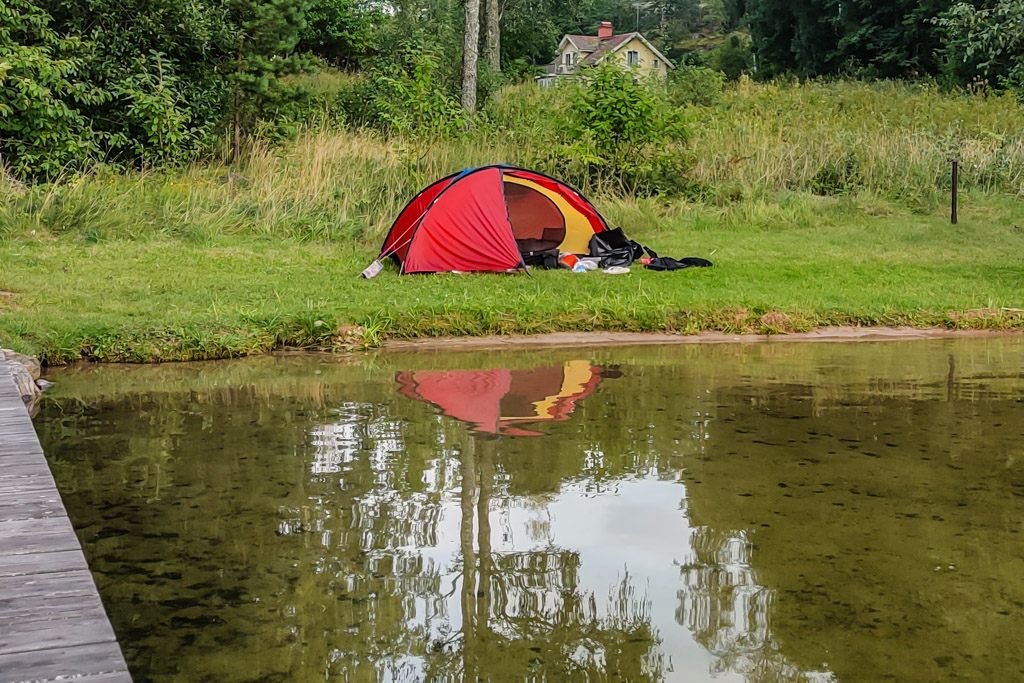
{"x": 267, "y": 32}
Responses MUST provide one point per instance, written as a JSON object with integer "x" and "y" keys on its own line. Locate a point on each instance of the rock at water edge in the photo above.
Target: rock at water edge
{"x": 30, "y": 363}
{"x": 24, "y": 383}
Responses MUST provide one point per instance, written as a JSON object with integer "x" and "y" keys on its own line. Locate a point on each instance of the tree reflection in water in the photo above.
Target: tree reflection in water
{"x": 768, "y": 513}
{"x": 729, "y": 612}
{"x": 524, "y": 613}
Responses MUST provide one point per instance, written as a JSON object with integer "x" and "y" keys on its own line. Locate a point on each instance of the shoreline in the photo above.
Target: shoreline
{"x": 595, "y": 338}
{"x": 834, "y": 334}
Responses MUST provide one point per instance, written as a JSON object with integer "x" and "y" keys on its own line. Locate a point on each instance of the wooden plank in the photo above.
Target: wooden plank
{"x": 14, "y": 589}
{"x": 32, "y": 484}
{"x": 13, "y": 468}
{"x": 31, "y": 505}
{"x": 52, "y": 622}
{"x": 55, "y": 608}
{"x": 77, "y": 628}
{"x": 41, "y": 563}
{"x": 91, "y": 659}
{"x": 50, "y": 534}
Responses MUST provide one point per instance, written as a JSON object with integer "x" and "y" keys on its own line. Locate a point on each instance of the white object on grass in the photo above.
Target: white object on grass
{"x": 373, "y": 270}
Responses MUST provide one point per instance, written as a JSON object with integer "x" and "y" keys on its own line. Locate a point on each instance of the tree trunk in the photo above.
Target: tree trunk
{"x": 236, "y": 152}
{"x": 492, "y": 40}
{"x": 469, "y": 55}
{"x": 469, "y": 588}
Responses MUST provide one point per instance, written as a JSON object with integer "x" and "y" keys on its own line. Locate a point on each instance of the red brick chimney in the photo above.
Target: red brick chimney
{"x": 604, "y": 30}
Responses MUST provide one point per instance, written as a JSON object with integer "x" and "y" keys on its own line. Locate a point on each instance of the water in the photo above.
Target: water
{"x": 774, "y": 512}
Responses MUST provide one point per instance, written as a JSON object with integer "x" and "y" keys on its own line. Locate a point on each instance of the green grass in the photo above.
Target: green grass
{"x": 786, "y": 264}
{"x": 820, "y": 203}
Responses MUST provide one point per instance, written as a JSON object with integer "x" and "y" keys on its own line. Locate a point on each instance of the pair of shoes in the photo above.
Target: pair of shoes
{"x": 617, "y": 270}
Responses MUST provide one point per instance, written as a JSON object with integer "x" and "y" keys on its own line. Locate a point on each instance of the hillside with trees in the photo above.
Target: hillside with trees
{"x": 151, "y": 82}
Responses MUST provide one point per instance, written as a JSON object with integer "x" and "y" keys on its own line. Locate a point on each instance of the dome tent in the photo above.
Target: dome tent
{"x": 486, "y": 218}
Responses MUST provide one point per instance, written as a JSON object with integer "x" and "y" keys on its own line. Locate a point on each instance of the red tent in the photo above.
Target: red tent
{"x": 483, "y": 219}
{"x": 496, "y": 401}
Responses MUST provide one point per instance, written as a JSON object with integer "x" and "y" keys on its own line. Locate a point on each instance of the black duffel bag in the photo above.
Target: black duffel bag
{"x": 614, "y": 248}
{"x": 544, "y": 258}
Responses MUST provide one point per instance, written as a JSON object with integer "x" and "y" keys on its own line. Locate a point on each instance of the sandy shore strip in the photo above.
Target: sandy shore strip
{"x": 824, "y": 334}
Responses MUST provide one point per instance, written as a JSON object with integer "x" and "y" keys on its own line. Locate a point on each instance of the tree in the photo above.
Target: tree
{"x": 158, "y": 66}
{"x": 492, "y": 35}
{"x": 894, "y": 39}
{"x": 987, "y": 41}
{"x": 41, "y": 130}
{"x": 339, "y": 31}
{"x": 266, "y": 33}
{"x": 471, "y": 38}
{"x": 733, "y": 58}
{"x": 821, "y": 37}
{"x": 793, "y": 36}
{"x": 530, "y": 29}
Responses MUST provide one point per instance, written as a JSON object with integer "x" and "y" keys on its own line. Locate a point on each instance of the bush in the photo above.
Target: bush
{"x": 695, "y": 85}
{"x": 733, "y": 58}
{"x": 406, "y": 94}
{"x": 626, "y": 133}
{"x": 41, "y": 130}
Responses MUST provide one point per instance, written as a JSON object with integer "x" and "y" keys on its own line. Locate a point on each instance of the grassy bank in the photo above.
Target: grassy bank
{"x": 792, "y": 265}
{"x": 820, "y": 204}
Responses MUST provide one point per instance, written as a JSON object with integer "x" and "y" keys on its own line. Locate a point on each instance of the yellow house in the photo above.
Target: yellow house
{"x": 628, "y": 49}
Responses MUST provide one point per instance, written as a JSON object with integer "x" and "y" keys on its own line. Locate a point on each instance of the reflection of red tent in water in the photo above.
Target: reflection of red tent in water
{"x": 497, "y": 400}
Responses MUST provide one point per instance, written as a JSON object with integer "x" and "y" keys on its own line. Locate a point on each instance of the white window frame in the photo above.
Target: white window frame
{"x": 632, "y": 58}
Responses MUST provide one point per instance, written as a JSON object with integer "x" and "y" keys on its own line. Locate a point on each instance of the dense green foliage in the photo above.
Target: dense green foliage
{"x": 958, "y": 42}
{"x": 625, "y": 131}
{"x": 154, "y": 82}
{"x": 987, "y": 41}
{"x": 149, "y": 83}
{"x": 40, "y": 125}
{"x": 815, "y": 37}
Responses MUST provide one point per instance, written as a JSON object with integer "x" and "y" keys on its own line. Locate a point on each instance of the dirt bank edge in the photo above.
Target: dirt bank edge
{"x": 824, "y": 334}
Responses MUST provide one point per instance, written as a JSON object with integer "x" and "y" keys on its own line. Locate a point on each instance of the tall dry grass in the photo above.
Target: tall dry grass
{"x": 893, "y": 139}
{"x": 887, "y": 141}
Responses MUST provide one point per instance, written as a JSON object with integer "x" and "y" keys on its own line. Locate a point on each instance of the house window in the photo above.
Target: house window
{"x": 632, "y": 57}
{"x": 567, "y": 58}
{"x": 657, "y": 63}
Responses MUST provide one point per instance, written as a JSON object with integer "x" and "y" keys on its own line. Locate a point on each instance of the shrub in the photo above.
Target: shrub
{"x": 695, "y": 85}
{"x": 733, "y": 59}
{"x": 406, "y": 94}
{"x": 626, "y": 132}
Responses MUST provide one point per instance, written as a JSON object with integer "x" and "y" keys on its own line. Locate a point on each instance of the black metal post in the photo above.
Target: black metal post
{"x": 956, "y": 172}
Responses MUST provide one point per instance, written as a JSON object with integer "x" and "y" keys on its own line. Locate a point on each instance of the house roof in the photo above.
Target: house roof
{"x": 606, "y": 47}
{"x": 583, "y": 43}
{"x": 597, "y": 49}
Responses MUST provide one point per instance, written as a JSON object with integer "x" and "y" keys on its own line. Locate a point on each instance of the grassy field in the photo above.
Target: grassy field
{"x": 820, "y": 204}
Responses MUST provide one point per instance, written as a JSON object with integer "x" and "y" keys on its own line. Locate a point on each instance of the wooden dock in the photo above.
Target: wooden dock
{"x": 52, "y": 623}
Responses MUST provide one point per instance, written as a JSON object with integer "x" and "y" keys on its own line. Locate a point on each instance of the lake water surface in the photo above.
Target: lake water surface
{"x": 762, "y": 512}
